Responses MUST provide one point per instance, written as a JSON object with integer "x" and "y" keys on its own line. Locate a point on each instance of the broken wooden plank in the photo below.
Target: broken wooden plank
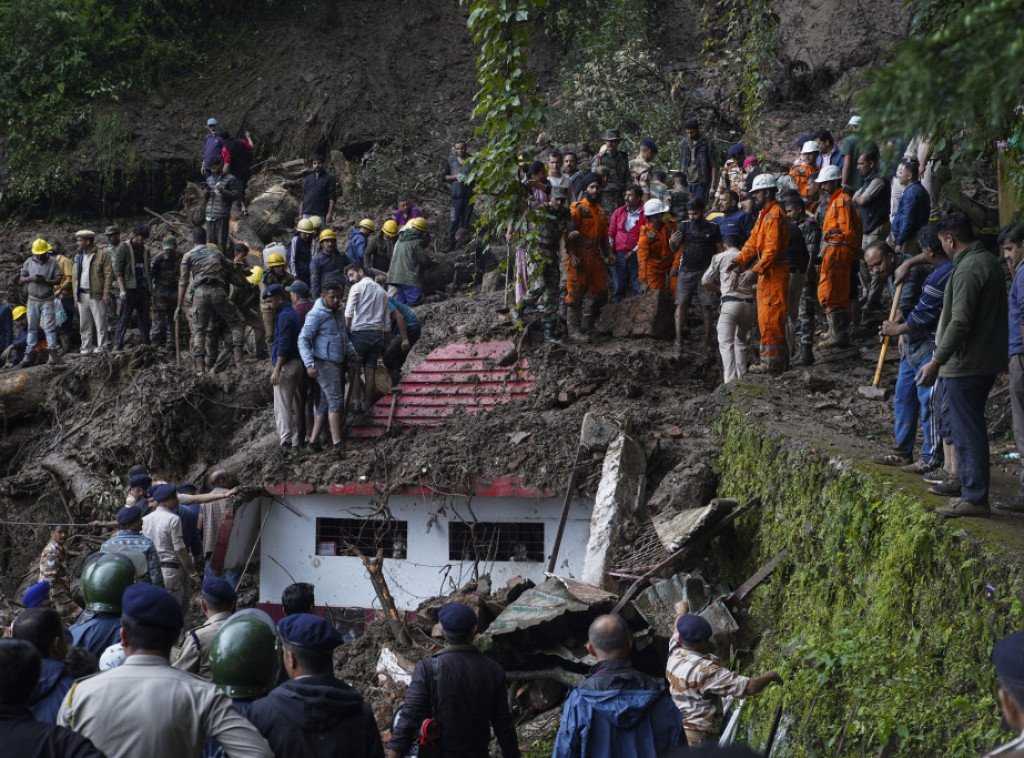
{"x": 747, "y": 587}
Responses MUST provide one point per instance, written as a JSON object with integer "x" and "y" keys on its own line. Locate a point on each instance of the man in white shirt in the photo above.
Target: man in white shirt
{"x": 555, "y": 176}
{"x": 738, "y": 313}
{"x": 368, "y": 326}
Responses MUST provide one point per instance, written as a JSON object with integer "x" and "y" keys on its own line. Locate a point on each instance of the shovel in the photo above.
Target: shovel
{"x": 873, "y": 391}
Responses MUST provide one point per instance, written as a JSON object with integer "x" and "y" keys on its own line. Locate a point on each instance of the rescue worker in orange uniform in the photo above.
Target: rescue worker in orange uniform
{"x": 765, "y": 255}
{"x": 655, "y": 255}
{"x": 585, "y": 260}
{"x": 841, "y": 237}
{"x": 808, "y": 165}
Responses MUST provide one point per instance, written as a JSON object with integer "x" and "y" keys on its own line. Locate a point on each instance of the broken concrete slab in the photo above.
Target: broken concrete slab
{"x": 619, "y": 498}
{"x": 675, "y": 529}
{"x": 721, "y": 620}
{"x": 650, "y": 315}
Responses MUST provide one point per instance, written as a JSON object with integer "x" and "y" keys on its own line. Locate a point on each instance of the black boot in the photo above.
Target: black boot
{"x": 549, "y": 333}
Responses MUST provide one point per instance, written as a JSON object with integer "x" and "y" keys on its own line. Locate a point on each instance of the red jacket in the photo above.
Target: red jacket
{"x": 623, "y": 241}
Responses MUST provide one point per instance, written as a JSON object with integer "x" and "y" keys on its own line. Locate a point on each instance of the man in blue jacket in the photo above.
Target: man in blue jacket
{"x": 42, "y": 627}
{"x": 618, "y": 711}
{"x": 913, "y": 211}
{"x": 324, "y": 347}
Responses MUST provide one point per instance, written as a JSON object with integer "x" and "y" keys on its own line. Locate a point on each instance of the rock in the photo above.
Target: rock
{"x": 493, "y": 281}
{"x": 673, "y": 432}
{"x": 650, "y": 315}
{"x": 597, "y": 432}
{"x": 691, "y": 484}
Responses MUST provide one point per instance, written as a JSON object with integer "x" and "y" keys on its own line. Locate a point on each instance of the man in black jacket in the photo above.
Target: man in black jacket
{"x": 20, "y": 734}
{"x": 469, "y": 691}
{"x": 314, "y": 714}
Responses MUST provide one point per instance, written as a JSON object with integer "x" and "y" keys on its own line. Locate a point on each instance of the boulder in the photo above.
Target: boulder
{"x": 650, "y": 315}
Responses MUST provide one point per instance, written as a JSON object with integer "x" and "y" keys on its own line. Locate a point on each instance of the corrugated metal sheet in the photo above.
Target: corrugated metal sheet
{"x": 457, "y": 378}
{"x": 546, "y": 602}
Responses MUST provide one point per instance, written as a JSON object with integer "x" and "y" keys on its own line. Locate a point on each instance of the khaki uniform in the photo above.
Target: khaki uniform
{"x": 146, "y": 708}
{"x": 193, "y": 655}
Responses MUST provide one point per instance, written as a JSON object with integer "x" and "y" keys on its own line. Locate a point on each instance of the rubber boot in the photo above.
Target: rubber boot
{"x": 806, "y": 355}
{"x": 572, "y": 322}
{"x": 549, "y": 333}
{"x": 837, "y": 335}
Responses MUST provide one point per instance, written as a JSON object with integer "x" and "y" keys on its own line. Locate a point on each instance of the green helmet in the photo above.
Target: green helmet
{"x": 104, "y": 579}
{"x": 246, "y": 655}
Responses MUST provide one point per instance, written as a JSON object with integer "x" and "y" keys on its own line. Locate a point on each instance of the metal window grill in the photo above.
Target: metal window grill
{"x": 335, "y": 536}
{"x": 496, "y": 541}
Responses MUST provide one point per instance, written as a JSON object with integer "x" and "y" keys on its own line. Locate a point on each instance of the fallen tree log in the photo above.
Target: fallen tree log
{"x": 76, "y": 478}
{"x": 24, "y": 392}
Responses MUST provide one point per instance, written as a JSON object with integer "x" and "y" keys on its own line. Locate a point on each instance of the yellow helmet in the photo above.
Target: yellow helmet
{"x": 317, "y": 222}
{"x": 275, "y": 259}
{"x": 18, "y": 312}
{"x": 305, "y": 226}
{"x": 420, "y": 224}
{"x": 328, "y": 234}
{"x": 368, "y": 224}
{"x": 256, "y": 276}
{"x": 41, "y": 246}
{"x": 390, "y": 227}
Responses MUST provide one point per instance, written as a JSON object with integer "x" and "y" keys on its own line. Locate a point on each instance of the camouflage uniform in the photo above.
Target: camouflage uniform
{"x": 697, "y": 682}
{"x": 209, "y": 276}
{"x": 811, "y": 230}
{"x": 616, "y": 168}
{"x": 53, "y": 568}
{"x": 551, "y": 232}
{"x": 164, "y": 269}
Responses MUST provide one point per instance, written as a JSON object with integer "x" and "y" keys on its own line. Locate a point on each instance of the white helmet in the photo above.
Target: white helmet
{"x": 654, "y": 207}
{"x": 764, "y": 182}
{"x": 830, "y": 174}
{"x": 811, "y": 147}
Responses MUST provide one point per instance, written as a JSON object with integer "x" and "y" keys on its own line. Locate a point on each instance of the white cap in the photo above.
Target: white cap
{"x": 112, "y": 657}
{"x": 854, "y": 121}
{"x": 811, "y": 147}
{"x": 763, "y": 182}
{"x": 829, "y": 174}
{"x": 654, "y": 207}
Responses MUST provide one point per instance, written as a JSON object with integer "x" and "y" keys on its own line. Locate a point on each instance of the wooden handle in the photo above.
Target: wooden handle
{"x": 885, "y": 342}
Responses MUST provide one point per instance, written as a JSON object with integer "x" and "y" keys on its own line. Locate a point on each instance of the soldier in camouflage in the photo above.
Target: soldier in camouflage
{"x": 208, "y": 271}
{"x": 555, "y": 228}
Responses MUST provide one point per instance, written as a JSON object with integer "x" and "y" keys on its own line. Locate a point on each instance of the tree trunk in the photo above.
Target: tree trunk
{"x": 23, "y": 392}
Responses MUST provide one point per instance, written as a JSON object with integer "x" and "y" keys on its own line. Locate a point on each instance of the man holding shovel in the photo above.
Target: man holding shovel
{"x": 919, "y": 309}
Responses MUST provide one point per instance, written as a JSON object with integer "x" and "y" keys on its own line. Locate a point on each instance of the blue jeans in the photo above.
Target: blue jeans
{"x": 41, "y": 310}
{"x": 627, "y": 277}
{"x": 458, "y": 217}
{"x": 698, "y": 190}
{"x": 965, "y": 398}
{"x": 408, "y": 294}
{"x": 230, "y": 574}
{"x": 910, "y": 403}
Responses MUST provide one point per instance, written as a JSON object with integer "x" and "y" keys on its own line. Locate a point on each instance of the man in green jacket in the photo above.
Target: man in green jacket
{"x": 970, "y": 350}
{"x": 409, "y": 261}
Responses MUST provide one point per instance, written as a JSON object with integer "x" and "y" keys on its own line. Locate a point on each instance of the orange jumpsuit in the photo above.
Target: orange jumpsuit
{"x": 768, "y": 243}
{"x": 654, "y": 258}
{"x": 840, "y": 238}
{"x": 592, "y": 249}
{"x": 801, "y": 173}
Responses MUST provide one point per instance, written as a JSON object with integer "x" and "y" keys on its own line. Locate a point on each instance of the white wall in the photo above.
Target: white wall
{"x": 289, "y": 541}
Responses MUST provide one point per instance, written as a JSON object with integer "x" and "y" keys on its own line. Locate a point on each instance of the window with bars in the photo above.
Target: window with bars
{"x": 496, "y": 541}
{"x": 335, "y": 536}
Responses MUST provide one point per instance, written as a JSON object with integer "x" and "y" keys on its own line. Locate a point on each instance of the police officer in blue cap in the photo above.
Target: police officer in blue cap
{"x": 218, "y": 603}
{"x": 469, "y": 689}
{"x": 1008, "y": 656}
{"x": 163, "y": 526}
{"x": 314, "y": 713}
{"x": 147, "y": 708}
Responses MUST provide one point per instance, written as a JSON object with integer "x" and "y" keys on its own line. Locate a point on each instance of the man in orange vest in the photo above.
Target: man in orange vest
{"x": 585, "y": 260}
{"x": 655, "y": 255}
{"x": 801, "y": 172}
{"x": 768, "y": 244}
{"x": 841, "y": 238}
